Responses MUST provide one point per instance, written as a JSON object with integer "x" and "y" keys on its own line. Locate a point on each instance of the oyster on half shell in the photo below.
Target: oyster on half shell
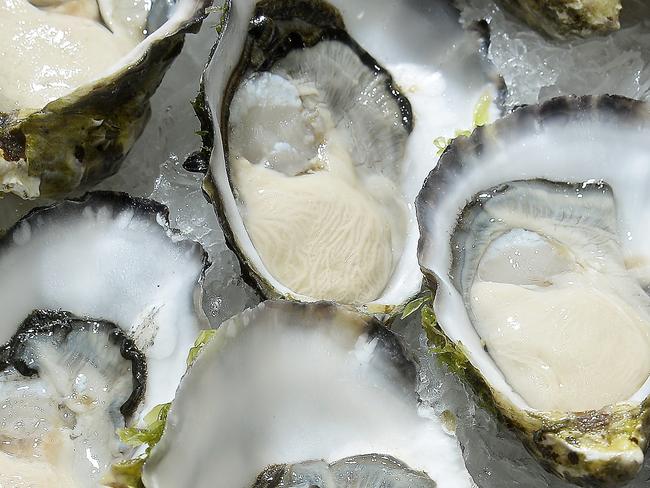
{"x": 534, "y": 237}
{"x": 99, "y": 309}
{"x": 74, "y": 94}
{"x": 319, "y": 123}
{"x": 291, "y": 394}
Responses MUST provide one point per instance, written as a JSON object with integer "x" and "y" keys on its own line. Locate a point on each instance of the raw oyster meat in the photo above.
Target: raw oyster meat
{"x": 76, "y": 96}
{"x": 319, "y": 129}
{"x": 122, "y": 290}
{"x": 533, "y": 236}
{"x": 288, "y": 383}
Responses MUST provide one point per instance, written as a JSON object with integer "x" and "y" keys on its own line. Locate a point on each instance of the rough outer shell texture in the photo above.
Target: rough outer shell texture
{"x": 568, "y": 18}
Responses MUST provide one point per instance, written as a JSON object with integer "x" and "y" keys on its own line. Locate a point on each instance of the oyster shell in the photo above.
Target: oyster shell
{"x": 126, "y": 287}
{"x": 533, "y": 235}
{"x": 565, "y": 18}
{"x": 289, "y": 382}
{"x": 345, "y": 90}
{"x": 72, "y": 124}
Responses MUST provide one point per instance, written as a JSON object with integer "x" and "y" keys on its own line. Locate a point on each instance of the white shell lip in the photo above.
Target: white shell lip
{"x": 443, "y": 87}
{"x": 617, "y": 130}
{"x": 112, "y": 257}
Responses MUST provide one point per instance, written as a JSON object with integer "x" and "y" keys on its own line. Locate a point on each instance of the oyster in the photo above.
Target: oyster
{"x": 286, "y": 388}
{"x": 125, "y": 287}
{"x": 77, "y": 95}
{"x": 66, "y": 385}
{"x": 533, "y": 235}
{"x": 565, "y": 18}
{"x": 302, "y": 122}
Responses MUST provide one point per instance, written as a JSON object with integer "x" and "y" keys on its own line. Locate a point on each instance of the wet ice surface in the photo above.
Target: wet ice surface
{"x": 154, "y": 169}
{"x": 536, "y": 69}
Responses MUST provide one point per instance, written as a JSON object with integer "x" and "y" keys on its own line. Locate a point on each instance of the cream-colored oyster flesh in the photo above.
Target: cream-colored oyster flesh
{"x": 322, "y": 225}
{"x": 52, "y": 51}
{"x": 304, "y": 142}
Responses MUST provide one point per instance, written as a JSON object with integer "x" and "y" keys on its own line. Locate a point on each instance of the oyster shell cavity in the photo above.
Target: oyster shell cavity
{"x": 67, "y": 384}
{"x": 111, "y": 257}
{"x": 333, "y": 384}
{"x": 335, "y": 76}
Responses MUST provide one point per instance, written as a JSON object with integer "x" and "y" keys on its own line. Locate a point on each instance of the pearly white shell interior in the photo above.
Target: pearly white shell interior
{"x": 286, "y": 383}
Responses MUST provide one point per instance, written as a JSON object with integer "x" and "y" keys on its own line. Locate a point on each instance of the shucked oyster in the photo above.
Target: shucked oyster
{"x": 284, "y": 392}
{"x": 534, "y": 236}
{"x": 123, "y": 286}
{"x": 74, "y": 95}
{"x": 322, "y": 145}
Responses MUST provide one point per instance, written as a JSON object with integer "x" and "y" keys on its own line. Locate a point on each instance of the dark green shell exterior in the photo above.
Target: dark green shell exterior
{"x": 567, "y": 18}
{"x": 80, "y": 139}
